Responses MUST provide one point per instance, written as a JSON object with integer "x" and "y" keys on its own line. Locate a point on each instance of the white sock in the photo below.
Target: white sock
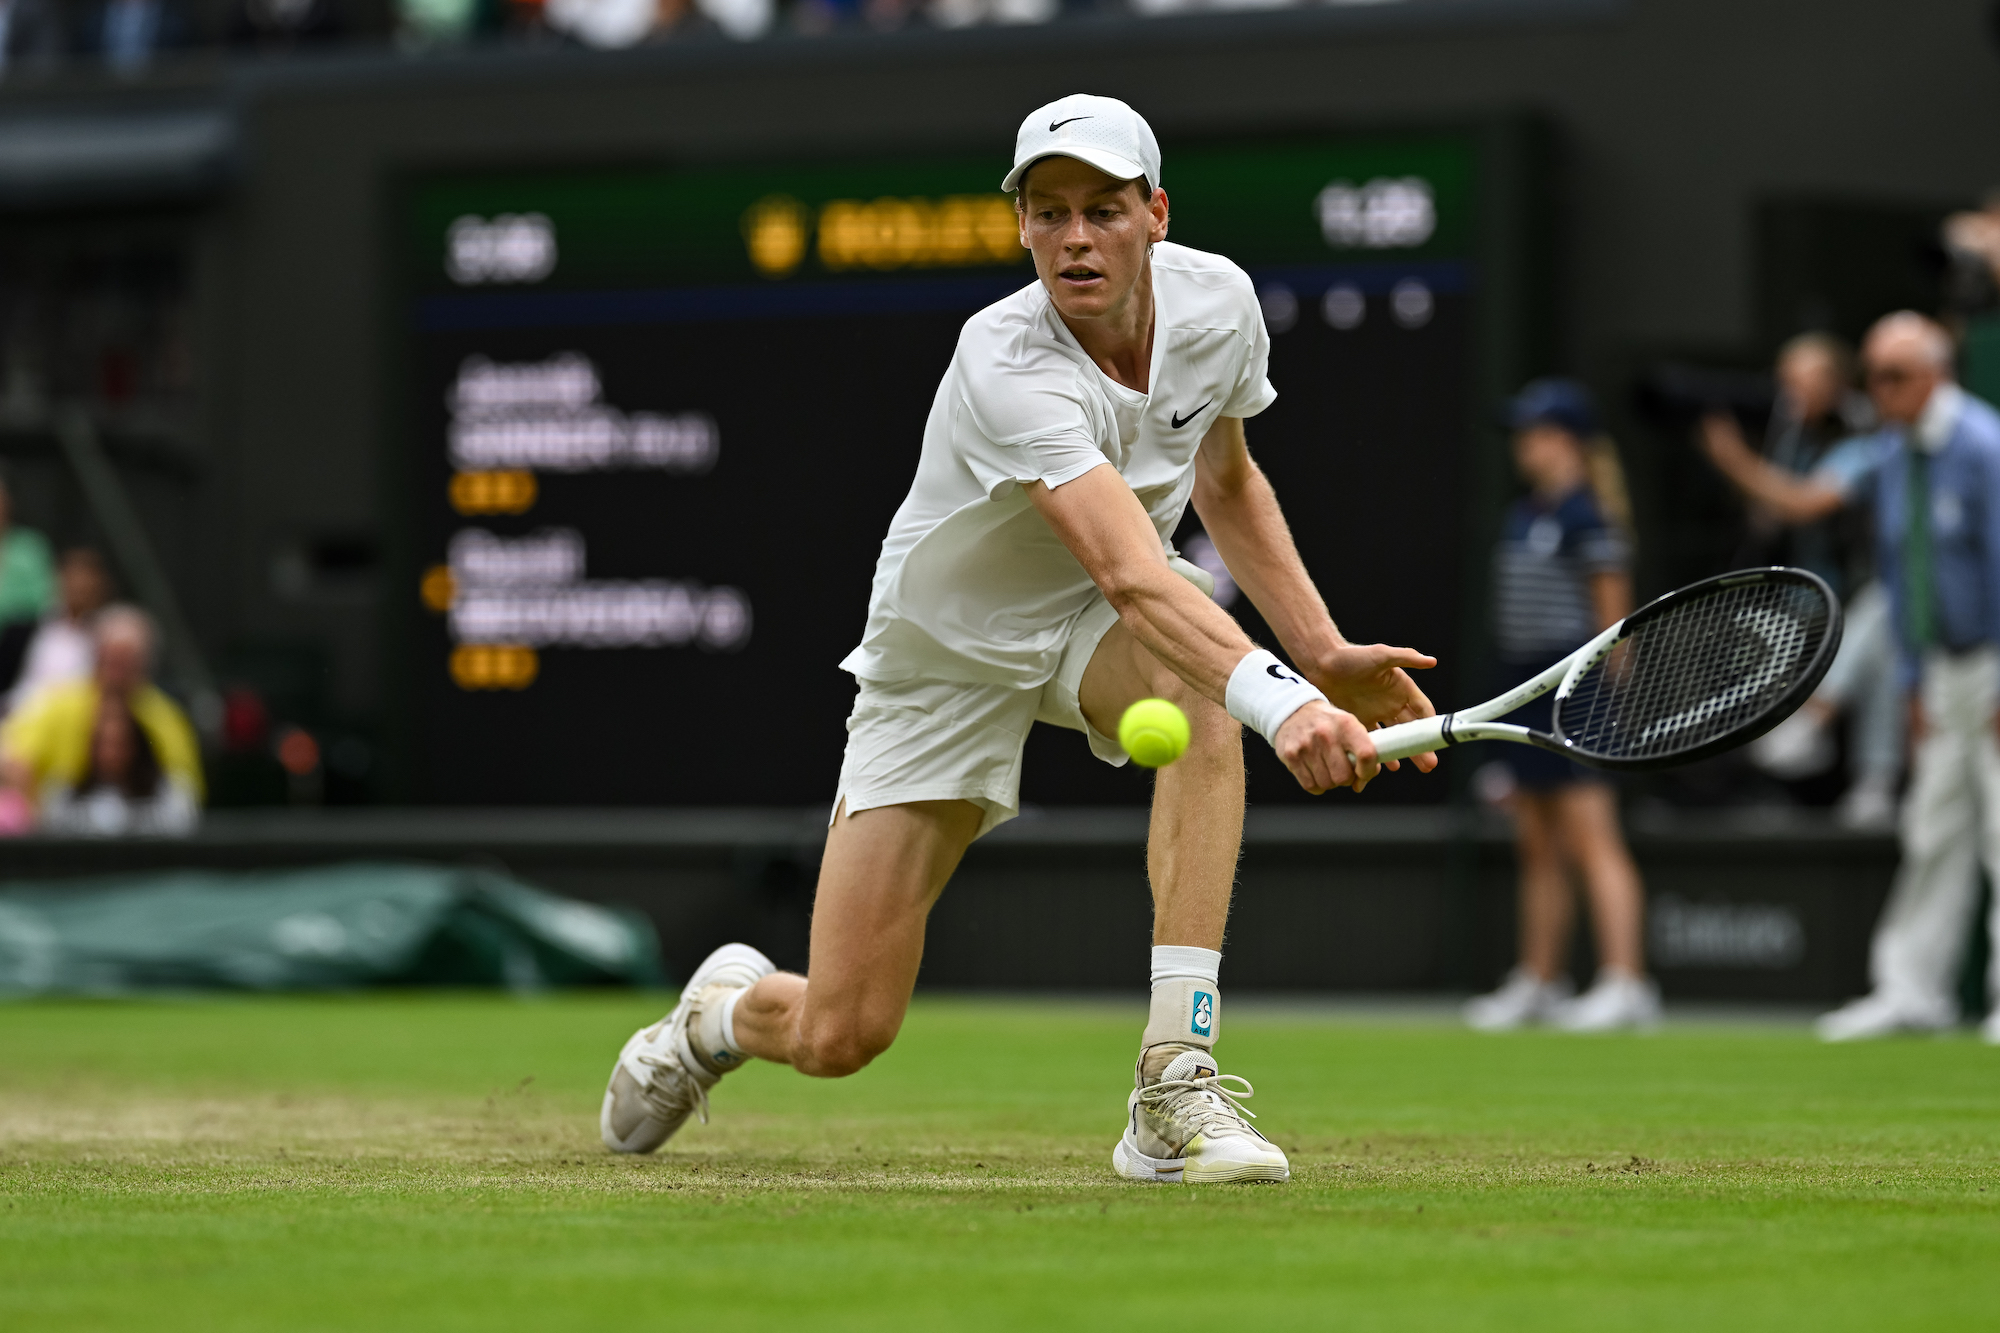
{"x": 1185, "y": 960}
{"x": 1187, "y": 1003}
{"x": 729, "y": 1024}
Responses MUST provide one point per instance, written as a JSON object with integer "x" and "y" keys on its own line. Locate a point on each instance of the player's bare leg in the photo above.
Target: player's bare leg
{"x": 1196, "y": 831}
{"x": 882, "y": 871}
{"x": 1183, "y": 1124}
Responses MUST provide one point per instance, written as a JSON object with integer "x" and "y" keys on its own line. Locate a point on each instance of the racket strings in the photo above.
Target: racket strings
{"x": 1703, "y": 669}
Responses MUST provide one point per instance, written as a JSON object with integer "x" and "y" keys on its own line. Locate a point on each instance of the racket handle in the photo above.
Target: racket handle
{"x": 1408, "y": 738}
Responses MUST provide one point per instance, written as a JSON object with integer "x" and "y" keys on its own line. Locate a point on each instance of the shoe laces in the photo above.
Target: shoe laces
{"x": 672, "y": 1090}
{"x": 1203, "y": 1103}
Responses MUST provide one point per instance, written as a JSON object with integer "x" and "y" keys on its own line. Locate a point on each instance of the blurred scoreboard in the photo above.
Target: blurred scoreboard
{"x": 658, "y": 420}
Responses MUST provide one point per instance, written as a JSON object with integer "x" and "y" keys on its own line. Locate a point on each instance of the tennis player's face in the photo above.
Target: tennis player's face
{"x": 1089, "y": 233}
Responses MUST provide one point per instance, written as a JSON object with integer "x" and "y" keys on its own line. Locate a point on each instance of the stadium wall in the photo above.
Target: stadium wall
{"x": 1327, "y": 900}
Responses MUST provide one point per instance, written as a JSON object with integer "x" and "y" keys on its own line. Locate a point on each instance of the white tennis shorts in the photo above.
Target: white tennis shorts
{"x": 938, "y": 740}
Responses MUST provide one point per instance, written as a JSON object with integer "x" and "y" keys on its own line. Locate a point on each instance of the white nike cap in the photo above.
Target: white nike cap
{"x": 1102, "y": 131}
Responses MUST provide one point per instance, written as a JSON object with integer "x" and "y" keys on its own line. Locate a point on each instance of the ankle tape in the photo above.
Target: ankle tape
{"x": 1184, "y": 1010}
{"x": 712, "y": 1035}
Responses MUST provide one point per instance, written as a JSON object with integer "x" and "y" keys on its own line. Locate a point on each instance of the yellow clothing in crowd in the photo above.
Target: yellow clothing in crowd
{"x": 51, "y": 734}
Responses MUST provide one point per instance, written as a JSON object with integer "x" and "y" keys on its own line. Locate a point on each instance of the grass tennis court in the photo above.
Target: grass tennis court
{"x": 431, "y": 1162}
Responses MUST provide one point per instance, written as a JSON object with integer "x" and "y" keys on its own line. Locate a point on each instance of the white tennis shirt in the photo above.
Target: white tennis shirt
{"x": 973, "y": 584}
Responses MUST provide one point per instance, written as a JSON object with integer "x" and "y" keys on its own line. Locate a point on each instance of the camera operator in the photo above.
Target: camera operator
{"x": 1816, "y": 410}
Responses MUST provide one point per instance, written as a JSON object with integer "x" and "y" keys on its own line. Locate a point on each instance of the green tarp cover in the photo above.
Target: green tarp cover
{"x": 325, "y": 928}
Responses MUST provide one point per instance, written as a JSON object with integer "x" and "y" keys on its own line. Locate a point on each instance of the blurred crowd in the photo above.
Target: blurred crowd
{"x": 127, "y": 35}
{"x": 89, "y": 745}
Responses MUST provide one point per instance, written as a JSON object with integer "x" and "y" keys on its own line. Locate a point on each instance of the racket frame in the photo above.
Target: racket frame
{"x": 1477, "y": 723}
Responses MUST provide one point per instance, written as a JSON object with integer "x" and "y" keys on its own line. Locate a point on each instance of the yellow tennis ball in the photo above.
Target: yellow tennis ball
{"x": 1154, "y": 732}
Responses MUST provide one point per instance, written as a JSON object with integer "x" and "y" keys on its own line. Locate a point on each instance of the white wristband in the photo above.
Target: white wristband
{"x": 1263, "y": 692}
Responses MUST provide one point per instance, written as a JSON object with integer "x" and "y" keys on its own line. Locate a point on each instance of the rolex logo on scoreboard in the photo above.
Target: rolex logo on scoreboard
{"x": 958, "y": 231}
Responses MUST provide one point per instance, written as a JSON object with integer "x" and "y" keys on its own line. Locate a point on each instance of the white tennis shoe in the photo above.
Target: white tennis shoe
{"x": 1522, "y": 999}
{"x": 1189, "y": 1129}
{"x": 1799, "y": 747}
{"x": 1616, "y": 1000}
{"x": 1884, "y": 1014}
{"x": 659, "y": 1080}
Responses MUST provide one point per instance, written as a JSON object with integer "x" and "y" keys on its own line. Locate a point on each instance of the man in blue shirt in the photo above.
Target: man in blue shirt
{"x": 1932, "y": 475}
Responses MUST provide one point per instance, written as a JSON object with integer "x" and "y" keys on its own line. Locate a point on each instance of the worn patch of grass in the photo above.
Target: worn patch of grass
{"x": 430, "y": 1162}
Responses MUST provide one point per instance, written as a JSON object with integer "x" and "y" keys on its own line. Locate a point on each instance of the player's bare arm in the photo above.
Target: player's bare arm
{"x": 1240, "y": 512}
{"x": 1107, "y": 530}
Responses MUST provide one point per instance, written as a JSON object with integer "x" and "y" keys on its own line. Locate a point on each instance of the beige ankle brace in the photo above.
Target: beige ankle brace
{"x": 1186, "y": 1011}
{"x": 711, "y": 1033}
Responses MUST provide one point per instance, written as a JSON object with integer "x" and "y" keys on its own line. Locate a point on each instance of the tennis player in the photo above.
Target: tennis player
{"x": 1028, "y": 577}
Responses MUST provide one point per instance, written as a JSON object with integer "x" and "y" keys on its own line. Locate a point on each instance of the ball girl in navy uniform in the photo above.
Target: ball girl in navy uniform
{"x": 1562, "y": 573}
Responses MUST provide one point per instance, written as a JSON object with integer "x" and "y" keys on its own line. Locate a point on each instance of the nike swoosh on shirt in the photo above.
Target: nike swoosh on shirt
{"x": 1180, "y": 421}
{"x": 1055, "y": 125}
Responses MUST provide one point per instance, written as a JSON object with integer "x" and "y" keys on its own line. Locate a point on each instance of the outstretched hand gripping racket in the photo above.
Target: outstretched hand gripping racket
{"x": 1691, "y": 674}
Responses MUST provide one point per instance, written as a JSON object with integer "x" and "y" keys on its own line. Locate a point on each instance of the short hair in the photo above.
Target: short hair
{"x": 1929, "y": 334}
{"x": 1830, "y": 346}
{"x": 122, "y": 618}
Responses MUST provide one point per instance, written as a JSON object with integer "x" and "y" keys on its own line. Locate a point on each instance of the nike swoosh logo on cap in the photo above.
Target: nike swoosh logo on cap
{"x": 1180, "y": 421}
{"x": 1058, "y": 124}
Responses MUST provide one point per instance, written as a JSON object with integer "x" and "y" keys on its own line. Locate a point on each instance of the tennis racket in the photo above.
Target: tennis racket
{"x": 1691, "y": 674}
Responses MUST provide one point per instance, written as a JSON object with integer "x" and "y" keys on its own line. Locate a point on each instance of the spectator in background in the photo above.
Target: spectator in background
{"x": 611, "y": 24}
{"x": 1808, "y": 433}
{"x": 1932, "y": 477}
{"x": 605, "y": 24}
{"x": 1815, "y": 375}
{"x": 1562, "y": 574}
{"x": 109, "y": 755}
{"x": 280, "y": 25}
{"x": 1972, "y": 247}
{"x": 64, "y": 647}
{"x": 27, "y": 570}
{"x": 127, "y": 34}
{"x": 27, "y": 589}
{"x": 966, "y": 13}
{"x": 422, "y": 24}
